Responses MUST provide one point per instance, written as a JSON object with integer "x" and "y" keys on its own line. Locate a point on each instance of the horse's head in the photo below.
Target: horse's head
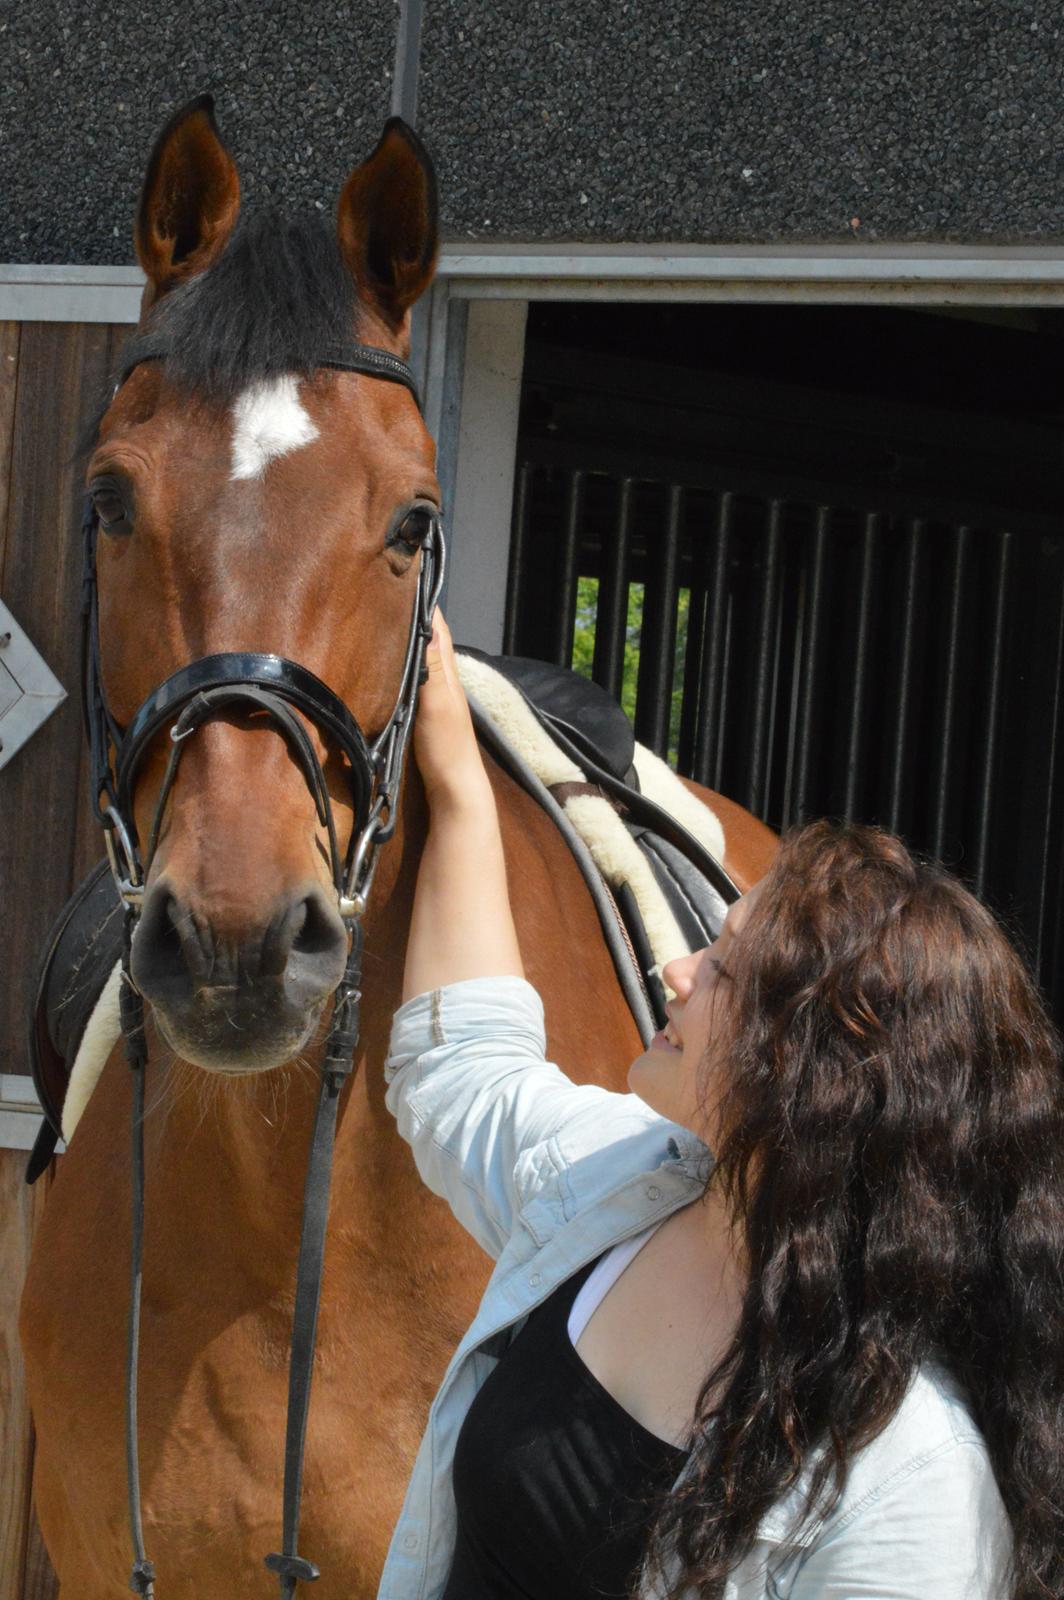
{"x": 252, "y": 499}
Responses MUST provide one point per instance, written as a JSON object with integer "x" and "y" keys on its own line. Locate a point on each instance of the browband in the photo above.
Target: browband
{"x": 354, "y": 357}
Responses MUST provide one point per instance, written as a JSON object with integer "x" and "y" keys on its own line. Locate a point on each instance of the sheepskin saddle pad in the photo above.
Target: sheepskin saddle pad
{"x": 641, "y": 839}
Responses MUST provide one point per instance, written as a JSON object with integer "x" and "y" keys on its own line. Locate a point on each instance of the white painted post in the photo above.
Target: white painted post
{"x": 487, "y": 444}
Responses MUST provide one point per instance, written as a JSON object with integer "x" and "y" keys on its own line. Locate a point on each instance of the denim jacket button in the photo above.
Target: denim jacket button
{"x": 535, "y": 1280}
{"x": 653, "y": 1193}
{"x": 410, "y": 1542}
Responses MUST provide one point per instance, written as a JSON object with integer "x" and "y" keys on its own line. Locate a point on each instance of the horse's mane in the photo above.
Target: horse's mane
{"x": 277, "y": 300}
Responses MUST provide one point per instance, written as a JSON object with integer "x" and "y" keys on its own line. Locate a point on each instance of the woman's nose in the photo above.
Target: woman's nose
{"x": 678, "y": 975}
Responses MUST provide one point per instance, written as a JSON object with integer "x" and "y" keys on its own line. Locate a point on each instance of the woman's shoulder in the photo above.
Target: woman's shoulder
{"x": 930, "y": 1462}
{"x": 933, "y": 1423}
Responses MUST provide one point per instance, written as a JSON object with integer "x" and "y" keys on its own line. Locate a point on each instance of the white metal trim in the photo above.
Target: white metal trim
{"x": 41, "y": 691}
{"x": 20, "y": 1113}
{"x": 918, "y": 274}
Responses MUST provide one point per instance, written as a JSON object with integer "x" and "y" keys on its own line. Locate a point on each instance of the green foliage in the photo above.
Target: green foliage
{"x": 584, "y": 649}
{"x": 584, "y": 632}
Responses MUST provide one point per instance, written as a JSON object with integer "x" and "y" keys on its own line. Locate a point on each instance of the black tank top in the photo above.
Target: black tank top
{"x": 553, "y": 1480}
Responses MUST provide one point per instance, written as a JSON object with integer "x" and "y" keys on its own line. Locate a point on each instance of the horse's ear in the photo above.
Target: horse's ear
{"x": 190, "y": 199}
{"x": 387, "y": 223}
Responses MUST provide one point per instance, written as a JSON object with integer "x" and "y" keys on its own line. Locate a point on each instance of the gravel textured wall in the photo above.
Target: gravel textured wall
{"x": 302, "y": 88}
{"x": 747, "y": 119}
{"x": 560, "y": 119}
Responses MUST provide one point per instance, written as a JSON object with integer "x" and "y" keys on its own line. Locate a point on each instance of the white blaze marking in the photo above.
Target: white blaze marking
{"x": 268, "y": 421}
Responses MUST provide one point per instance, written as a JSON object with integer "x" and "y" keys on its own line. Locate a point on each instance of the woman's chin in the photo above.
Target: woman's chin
{"x": 645, "y": 1077}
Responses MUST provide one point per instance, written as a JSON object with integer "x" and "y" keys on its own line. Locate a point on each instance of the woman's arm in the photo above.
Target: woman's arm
{"x": 461, "y": 925}
{"x": 468, "y": 1082}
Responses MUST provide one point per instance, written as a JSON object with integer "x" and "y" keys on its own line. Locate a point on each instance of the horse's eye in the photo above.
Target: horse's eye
{"x": 111, "y": 508}
{"x": 414, "y": 529}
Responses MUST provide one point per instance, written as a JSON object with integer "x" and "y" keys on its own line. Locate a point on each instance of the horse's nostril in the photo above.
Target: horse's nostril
{"x": 318, "y": 951}
{"x": 164, "y": 956}
{"x": 319, "y": 929}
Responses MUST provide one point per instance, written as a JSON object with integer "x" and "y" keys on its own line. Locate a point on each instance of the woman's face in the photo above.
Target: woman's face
{"x": 679, "y": 1073}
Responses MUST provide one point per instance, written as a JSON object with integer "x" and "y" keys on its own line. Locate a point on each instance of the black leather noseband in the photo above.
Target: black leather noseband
{"x": 284, "y": 692}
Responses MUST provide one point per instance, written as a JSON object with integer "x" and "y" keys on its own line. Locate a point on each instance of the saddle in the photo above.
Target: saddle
{"x": 650, "y": 853}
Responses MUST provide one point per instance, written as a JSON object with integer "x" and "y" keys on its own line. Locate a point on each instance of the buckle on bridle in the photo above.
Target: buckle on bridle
{"x": 124, "y": 872}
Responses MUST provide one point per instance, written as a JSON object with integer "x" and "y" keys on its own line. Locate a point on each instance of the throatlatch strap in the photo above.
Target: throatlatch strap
{"x": 337, "y": 1065}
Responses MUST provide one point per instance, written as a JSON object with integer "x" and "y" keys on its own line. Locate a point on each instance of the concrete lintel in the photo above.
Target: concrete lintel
{"x": 917, "y": 274}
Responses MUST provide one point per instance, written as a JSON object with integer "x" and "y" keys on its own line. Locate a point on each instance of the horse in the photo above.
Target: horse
{"x": 253, "y": 498}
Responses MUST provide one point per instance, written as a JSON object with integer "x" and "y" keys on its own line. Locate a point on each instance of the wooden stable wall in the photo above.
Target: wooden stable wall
{"x": 52, "y": 377}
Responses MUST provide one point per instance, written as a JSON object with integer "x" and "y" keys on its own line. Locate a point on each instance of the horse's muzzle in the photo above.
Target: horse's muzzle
{"x": 238, "y": 1003}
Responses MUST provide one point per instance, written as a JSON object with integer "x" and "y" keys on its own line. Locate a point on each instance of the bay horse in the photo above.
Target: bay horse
{"x": 251, "y": 498}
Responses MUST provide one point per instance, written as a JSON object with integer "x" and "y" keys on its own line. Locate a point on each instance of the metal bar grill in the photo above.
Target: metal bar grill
{"x": 993, "y": 713}
{"x": 568, "y": 562}
{"x": 711, "y": 690}
{"x": 611, "y": 621}
{"x": 653, "y": 704}
{"x": 906, "y": 637}
{"x": 833, "y": 660}
{"x": 861, "y": 663}
{"x": 764, "y": 661}
{"x": 950, "y": 689}
{"x": 812, "y": 640}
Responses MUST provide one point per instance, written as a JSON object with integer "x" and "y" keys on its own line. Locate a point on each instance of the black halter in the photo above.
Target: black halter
{"x": 279, "y": 689}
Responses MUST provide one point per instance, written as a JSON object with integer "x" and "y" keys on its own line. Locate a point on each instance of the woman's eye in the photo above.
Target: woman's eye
{"x": 111, "y": 509}
{"x": 414, "y": 529}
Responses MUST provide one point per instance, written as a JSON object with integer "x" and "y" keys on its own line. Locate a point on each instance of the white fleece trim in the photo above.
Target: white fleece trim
{"x": 508, "y": 711}
{"x": 620, "y": 860}
{"x": 612, "y": 847}
{"x": 660, "y": 784}
{"x": 99, "y": 1039}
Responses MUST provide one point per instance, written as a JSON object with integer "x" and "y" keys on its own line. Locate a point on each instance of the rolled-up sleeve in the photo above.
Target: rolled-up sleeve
{"x": 471, "y": 1092}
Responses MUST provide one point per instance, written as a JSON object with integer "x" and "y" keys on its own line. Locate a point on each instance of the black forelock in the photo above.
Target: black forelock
{"x": 277, "y": 300}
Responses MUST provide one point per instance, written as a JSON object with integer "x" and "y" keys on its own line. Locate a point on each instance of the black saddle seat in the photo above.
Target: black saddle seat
{"x": 581, "y": 710}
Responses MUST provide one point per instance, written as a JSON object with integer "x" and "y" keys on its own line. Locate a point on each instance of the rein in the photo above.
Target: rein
{"x": 279, "y": 689}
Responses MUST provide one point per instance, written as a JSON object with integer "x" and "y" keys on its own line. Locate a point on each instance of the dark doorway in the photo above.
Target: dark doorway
{"x": 819, "y": 551}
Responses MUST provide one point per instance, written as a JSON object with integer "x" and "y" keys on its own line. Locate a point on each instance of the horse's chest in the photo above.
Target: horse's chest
{"x": 212, "y": 1395}
{"x": 212, "y": 1425}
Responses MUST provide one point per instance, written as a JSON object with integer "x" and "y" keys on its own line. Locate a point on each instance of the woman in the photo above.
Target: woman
{"x": 829, "y": 1364}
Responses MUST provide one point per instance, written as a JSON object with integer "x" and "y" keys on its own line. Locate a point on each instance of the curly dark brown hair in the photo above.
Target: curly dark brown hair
{"x": 893, "y": 1146}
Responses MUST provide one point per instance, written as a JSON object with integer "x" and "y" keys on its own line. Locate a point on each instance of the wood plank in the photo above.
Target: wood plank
{"x": 19, "y": 1208}
{"x": 9, "y": 345}
{"x": 40, "y": 1582}
{"x": 62, "y": 371}
{"x": 88, "y": 841}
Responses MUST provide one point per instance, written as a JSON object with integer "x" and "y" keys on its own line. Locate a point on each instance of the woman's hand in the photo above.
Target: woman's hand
{"x": 461, "y": 925}
{"x": 445, "y": 744}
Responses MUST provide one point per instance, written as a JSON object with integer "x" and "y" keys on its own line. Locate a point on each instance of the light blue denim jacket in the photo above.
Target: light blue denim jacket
{"x": 546, "y": 1175}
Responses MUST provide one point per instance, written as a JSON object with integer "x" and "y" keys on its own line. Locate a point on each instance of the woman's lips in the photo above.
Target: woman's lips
{"x": 659, "y": 1042}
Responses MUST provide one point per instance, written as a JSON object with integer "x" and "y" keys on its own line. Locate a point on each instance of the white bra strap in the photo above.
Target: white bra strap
{"x": 602, "y": 1279}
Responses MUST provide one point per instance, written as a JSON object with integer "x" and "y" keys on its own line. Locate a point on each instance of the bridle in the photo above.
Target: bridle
{"x": 279, "y": 689}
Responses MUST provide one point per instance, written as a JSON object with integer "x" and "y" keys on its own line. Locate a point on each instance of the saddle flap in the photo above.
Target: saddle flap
{"x": 79, "y": 955}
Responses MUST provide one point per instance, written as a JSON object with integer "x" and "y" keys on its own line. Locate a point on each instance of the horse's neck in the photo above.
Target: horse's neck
{"x": 242, "y": 1143}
